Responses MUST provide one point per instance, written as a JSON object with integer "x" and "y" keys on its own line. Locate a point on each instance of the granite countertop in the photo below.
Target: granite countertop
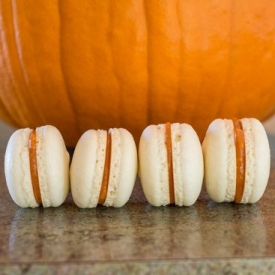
{"x": 207, "y": 238}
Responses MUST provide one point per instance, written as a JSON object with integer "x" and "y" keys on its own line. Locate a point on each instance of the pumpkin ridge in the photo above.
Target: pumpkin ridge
{"x": 181, "y": 58}
{"x": 186, "y": 61}
{"x": 20, "y": 111}
{"x": 127, "y": 45}
{"x": 5, "y": 111}
{"x": 67, "y": 93}
{"x": 17, "y": 43}
{"x": 43, "y": 65}
{"x": 228, "y": 78}
{"x": 149, "y": 88}
{"x": 246, "y": 38}
{"x": 29, "y": 63}
{"x": 116, "y": 76}
{"x": 18, "y": 33}
{"x": 207, "y": 47}
{"x": 192, "y": 62}
{"x": 271, "y": 48}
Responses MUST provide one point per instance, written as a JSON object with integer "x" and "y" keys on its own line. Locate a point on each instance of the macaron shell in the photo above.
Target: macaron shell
{"x": 187, "y": 164}
{"x": 153, "y": 167}
{"x": 220, "y": 160}
{"x": 257, "y": 160}
{"x": 219, "y": 154}
{"x": 53, "y": 166}
{"x": 17, "y": 169}
{"x": 87, "y": 168}
{"x": 250, "y": 161}
{"x": 123, "y": 169}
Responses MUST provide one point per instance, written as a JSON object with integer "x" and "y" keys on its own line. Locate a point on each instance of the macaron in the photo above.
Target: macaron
{"x": 237, "y": 160}
{"x": 170, "y": 164}
{"x": 104, "y": 168}
{"x": 37, "y": 167}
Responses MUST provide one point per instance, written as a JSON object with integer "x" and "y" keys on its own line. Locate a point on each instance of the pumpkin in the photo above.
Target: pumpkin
{"x": 129, "y": 63}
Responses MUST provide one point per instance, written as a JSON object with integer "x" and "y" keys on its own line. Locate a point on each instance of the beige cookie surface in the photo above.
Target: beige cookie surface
{"x": 220, "y": 160}
{"x": 187, "y": 163}
{"x": 88, "y": 163}
{"x": 52, "y": 166}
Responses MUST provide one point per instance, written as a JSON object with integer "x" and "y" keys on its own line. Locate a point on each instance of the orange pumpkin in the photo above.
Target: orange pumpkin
{"x": 130, "y": 63}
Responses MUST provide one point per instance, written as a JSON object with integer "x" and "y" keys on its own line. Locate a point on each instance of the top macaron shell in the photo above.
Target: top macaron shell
{"x": 88, "y": 165}
{"x": 220, "y": 160}
{"x": 187, "y": 164}
{"x": 52, "y": 165}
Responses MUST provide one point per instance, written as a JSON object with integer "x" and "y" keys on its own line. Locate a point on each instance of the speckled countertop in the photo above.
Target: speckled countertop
{"x": 207, "y": 238}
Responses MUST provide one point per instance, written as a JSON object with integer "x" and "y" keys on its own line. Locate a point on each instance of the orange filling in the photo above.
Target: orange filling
{"x": 33, "y": 167}
{"x": 168, "y": 143}
{"x": 240, "y": 159}
{"x": 106, "y": 171}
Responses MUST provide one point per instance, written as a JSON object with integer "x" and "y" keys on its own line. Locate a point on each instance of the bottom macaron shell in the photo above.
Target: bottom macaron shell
{"x": 187, "y": 164}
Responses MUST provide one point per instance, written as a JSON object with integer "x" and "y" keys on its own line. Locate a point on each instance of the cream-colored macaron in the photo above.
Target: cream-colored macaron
{"x": 170, "y": 164}
{"x": 37, "y": 160}
{"x": 104, "y": 168}
{"x": 220, "y": 158}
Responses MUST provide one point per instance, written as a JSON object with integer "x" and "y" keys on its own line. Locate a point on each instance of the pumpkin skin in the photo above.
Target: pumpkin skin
{"x": 129, "y": 63}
